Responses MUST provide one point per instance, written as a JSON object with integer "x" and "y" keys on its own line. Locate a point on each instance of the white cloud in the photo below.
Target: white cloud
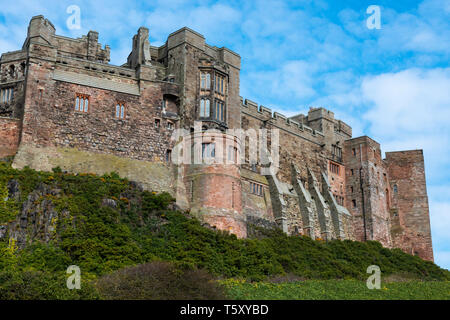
{"x": 410, "y": 109}
{"x": 440, "y": 226}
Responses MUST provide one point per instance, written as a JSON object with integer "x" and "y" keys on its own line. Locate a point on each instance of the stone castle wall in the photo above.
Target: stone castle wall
{"x": 326, "y": 184}
{"x": 409, "y": 208}
{"x": 9, "y": 136}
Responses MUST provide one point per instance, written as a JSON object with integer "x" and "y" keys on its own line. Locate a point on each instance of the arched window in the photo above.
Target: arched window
{"x": 81, "y": 103}
{"x": 208, "y": 81}
{"x": 86, "y": 104}
{"x": 204, "y": 108}
{"x": 120, "y": 110}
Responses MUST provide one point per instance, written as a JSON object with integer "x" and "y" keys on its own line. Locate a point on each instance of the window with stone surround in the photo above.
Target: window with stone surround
{"x": 205, "y": 81}
{"x": 336, "y": 152}
{"x": 204, "y": 108}
{"x": 168, "y": 155}
{"x": 170, "y": 125}
{"x": 82, "y": 103}
{"x": 219, "y": 84}
{"x": 354, "y": 203}
{"x": 219, "y": 110}
{"x": 256, "y": 188}
{"x": 6, "y": 95}
{"x": 334, "y": 168}
{"x": 208, "y": 150}
{"x": 157, "y": 123}
{"x": 120, "y": 110}
{"x": 232, "y": 154}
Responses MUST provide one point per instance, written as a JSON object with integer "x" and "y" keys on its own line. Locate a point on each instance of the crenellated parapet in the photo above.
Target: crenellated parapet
{"x": 280, "y": 121}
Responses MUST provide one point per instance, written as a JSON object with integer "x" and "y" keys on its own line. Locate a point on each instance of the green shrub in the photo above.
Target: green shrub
{"x": 159, "y": 281}
{"x": 36, "y": 285}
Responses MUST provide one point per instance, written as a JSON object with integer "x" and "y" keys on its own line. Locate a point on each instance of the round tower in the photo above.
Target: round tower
{"x": 213, "y": 181}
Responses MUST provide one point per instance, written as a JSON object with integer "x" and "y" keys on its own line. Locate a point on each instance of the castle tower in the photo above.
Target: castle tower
{"x": 368, "y": 191}
{"x": 410, "y": 219}
{"x": 213, "y": 180}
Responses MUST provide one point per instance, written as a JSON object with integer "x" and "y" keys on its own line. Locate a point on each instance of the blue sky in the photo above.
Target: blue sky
{"x": 392, "y": 84}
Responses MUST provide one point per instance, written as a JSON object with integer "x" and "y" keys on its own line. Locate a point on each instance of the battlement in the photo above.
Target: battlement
{"x": 42, "y": 32}
{"x": 195, "y": 39}
{"x": 295, "y": 125}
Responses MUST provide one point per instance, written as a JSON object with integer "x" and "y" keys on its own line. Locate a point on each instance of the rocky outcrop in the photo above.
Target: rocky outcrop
{"x": 37, "y": 217}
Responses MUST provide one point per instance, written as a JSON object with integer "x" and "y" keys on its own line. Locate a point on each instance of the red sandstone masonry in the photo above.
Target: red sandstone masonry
{"x": 410, "y": 213}
{"x": 9, "y": 136}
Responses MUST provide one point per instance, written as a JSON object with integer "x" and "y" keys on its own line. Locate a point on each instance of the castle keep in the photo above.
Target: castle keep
{"x": 62, "y": 104}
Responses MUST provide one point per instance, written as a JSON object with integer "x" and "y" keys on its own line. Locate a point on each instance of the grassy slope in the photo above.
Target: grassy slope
{"x": 338, "y": 290}
{"x": 101, "y": 239}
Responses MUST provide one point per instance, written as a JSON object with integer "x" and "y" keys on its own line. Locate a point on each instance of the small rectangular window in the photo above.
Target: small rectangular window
{"x": 232, "y": 154}
{"x": 208, "y": 150}
{"x": 334, "y": 168}
{"x": 168, "y": 155}
{"x": 204, "y": 108}
{"x": 354, "y": 151}
{"x": 157, "y": 123}
{"x": 170, "y": 125}
{"x": 256, "y": 188}
{"x": 354, "y": 203}
{"x": 6, "y": 95}
{"x": 219, "y": 110}
{"x": 336, "y": 152}
{"x": 82, "y": 103}
{"x": 120, "y": 110}
{"x": 205, "y": 81}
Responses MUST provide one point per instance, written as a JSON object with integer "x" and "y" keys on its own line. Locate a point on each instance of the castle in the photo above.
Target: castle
{"x": 62, "y": 104}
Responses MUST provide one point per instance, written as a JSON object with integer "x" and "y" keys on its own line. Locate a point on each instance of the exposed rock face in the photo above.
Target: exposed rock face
{"x": 37, "y": 217}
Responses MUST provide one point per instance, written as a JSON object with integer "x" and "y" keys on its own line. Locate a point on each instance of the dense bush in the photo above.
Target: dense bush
{"x": 159, "y": 281}
{"x": 37, "y": 285}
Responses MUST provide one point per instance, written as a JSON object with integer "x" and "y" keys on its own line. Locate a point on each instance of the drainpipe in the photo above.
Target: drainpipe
{"x": 362, "y": 193}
